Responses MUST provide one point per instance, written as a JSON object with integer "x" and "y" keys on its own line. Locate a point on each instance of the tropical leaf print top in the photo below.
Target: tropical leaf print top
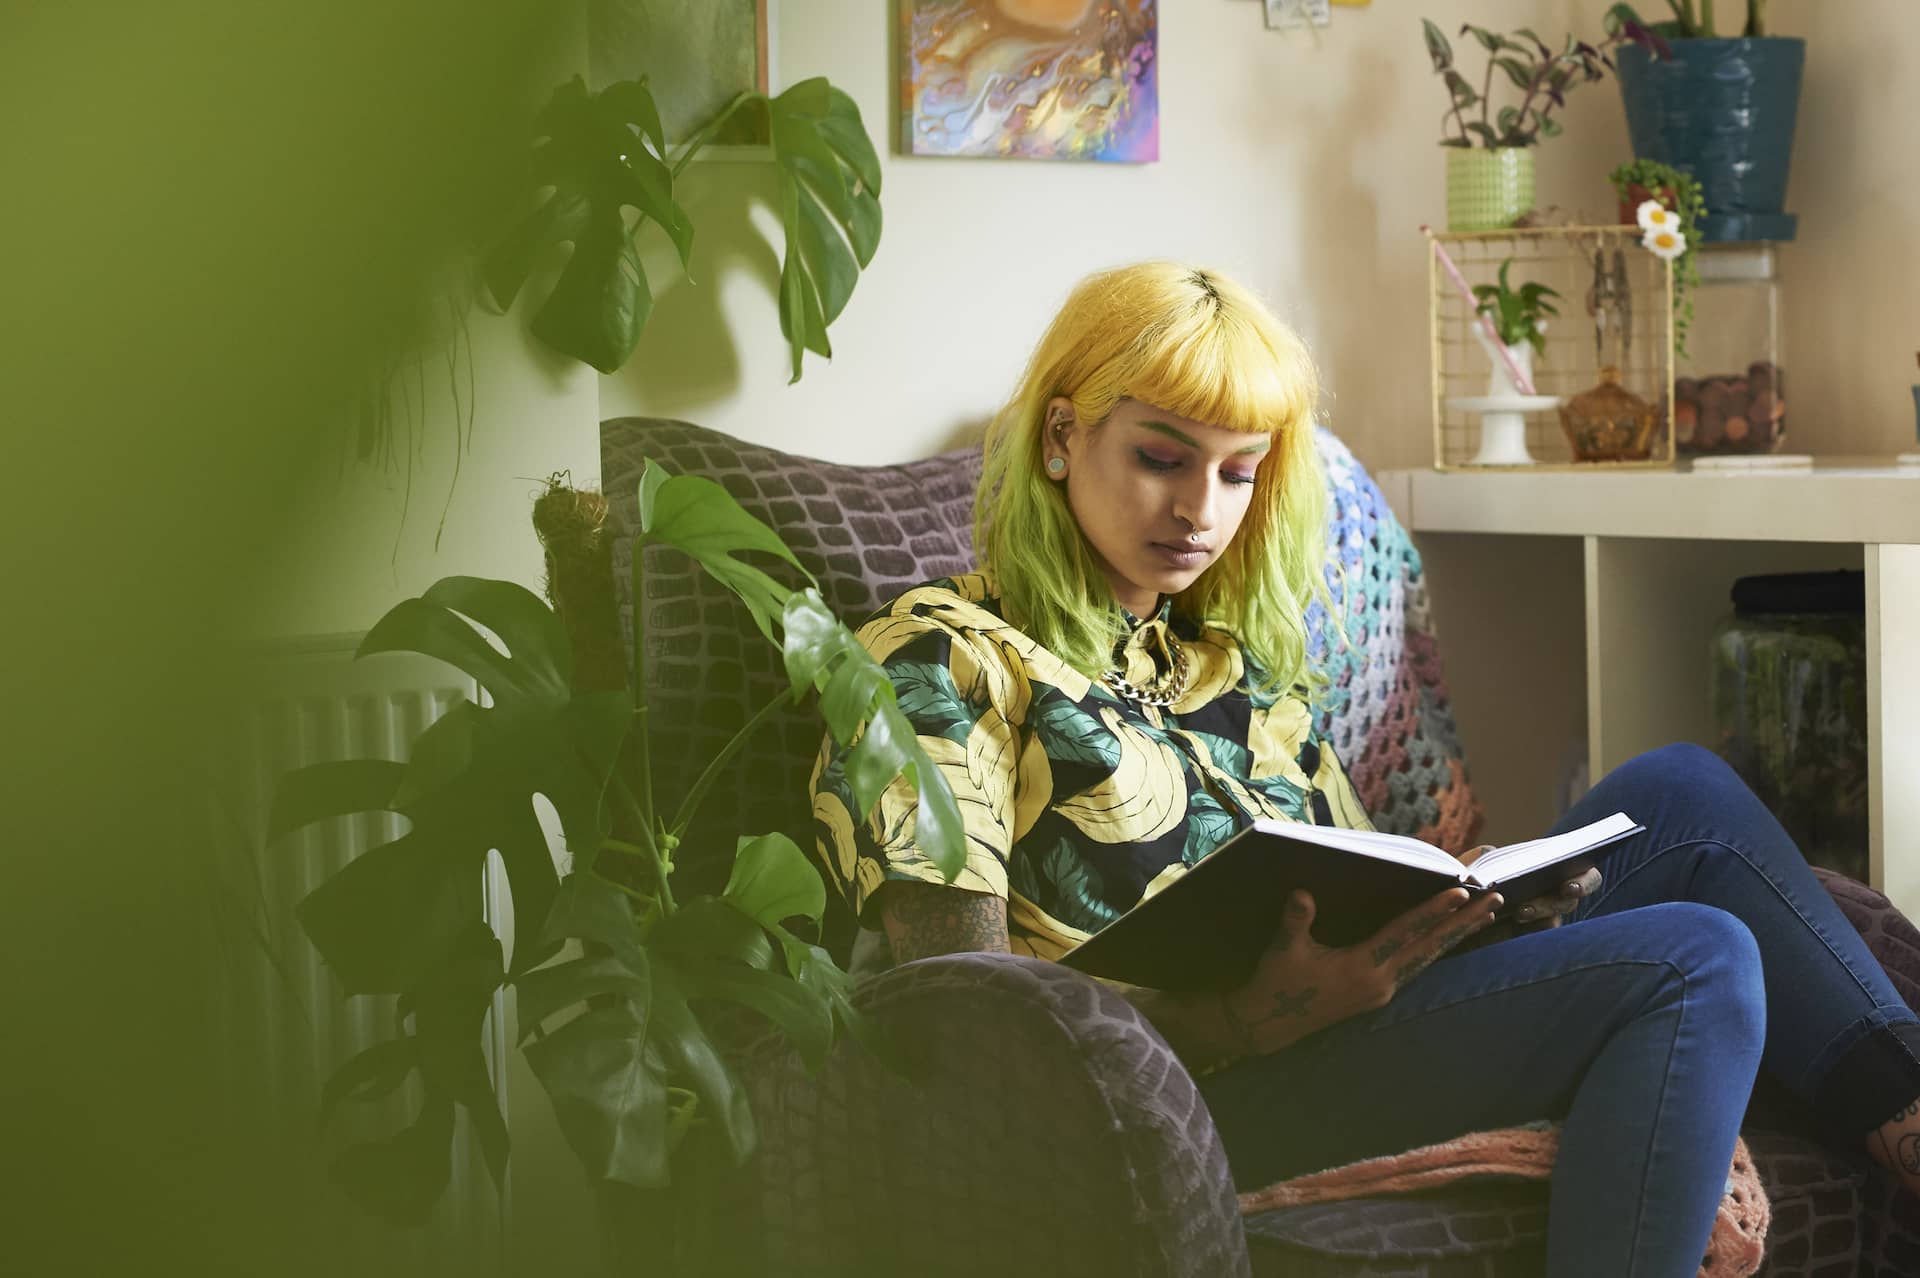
{"x": 1076, "y": 803}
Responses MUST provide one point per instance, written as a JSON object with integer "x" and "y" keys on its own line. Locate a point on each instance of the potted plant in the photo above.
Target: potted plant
{"x": 625, "y": 988}
{"x": 1519, "y": 316}
{"x": 1721, "y": 109}
{"x": 1489, "y": 156}
{"x": 1677, "y": 196}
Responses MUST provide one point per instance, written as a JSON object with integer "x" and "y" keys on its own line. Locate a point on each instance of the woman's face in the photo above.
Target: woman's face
{"x": 1157, "y": 496}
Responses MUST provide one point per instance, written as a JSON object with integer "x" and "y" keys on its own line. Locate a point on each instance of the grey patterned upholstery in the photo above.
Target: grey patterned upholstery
{"x": 1047, "y": 1127}
{"x": 865, "y": 532}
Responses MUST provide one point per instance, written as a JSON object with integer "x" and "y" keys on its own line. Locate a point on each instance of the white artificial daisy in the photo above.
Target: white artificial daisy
{"x": 1655, "y": 216}
{"x": 1667, "y": 244}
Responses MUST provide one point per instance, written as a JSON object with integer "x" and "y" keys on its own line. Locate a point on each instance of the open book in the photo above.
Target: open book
{"x": 1207, "y": 928}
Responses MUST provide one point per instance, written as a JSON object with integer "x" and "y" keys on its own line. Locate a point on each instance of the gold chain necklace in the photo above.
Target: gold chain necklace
{"x": 1164, "y": 691}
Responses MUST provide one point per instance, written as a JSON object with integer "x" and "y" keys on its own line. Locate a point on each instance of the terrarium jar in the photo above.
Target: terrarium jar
{"x": 1609, "y": 422}
{"x": 1789, "y": 690}
{"x": 1730, "y": 389}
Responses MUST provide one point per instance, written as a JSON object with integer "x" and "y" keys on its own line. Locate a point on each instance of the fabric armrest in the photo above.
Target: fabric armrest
{"x": 1045, "y": 1127}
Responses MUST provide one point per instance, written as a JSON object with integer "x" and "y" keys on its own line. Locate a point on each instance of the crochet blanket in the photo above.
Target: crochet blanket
{"x": 1739, "y": 1230}
{"x": 1385, "y": 707}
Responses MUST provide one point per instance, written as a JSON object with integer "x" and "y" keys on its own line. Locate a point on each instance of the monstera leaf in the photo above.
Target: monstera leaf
{"x": 829, "y": 187}
{"x": 397, "y": 910}
{"x": 616, "y": 987}
{"x": 631, "y": 1062}
{"x": 702, "y": 520}
{"x": 602, "y": 154}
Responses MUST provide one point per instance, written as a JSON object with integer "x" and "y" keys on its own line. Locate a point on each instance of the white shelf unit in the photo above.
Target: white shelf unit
{"x": 1582, "y": 605}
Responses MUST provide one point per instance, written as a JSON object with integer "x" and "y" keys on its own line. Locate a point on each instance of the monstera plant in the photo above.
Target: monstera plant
{"x": 603, "y": 153}
{"x": 624, "y": 989}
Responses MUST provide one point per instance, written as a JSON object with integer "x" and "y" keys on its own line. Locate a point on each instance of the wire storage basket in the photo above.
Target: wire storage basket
{"x": 1602, "y": 379}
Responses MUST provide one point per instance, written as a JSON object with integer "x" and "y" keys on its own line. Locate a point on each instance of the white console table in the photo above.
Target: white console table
{"x": 1593, "y": 596}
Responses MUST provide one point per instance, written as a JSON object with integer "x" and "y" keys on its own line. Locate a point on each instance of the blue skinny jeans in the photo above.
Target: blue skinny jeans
{"x": 1710, "y": 952}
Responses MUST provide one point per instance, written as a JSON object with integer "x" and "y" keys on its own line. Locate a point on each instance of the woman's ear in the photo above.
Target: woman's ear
{"x": 1056, "y": 435}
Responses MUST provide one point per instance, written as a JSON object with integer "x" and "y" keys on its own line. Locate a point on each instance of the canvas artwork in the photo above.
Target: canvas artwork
{"x": 1031, "y": 79}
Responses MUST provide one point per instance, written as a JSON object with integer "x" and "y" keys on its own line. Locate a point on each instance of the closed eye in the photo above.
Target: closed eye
{"x": 1237, "y": 477}
{"x": 1154, "y": 463}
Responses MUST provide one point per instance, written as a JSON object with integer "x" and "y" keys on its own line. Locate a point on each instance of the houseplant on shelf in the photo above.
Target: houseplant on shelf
{"x": 1721, "y": 109}
{"x": 1518, "y": 319}
{"x": 1490, "y": 157}
{"x": 627, "y": 991}
{"x": 1677, "y": 193}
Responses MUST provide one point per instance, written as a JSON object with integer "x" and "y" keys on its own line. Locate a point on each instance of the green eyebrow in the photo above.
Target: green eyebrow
{"x": 1161, "y": 428}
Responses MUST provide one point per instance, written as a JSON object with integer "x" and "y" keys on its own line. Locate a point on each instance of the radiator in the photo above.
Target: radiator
{"x": 284, "y": 1017}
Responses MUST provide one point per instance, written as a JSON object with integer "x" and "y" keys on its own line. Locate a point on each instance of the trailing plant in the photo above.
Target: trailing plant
{"x": 1518, "y": 315}
{"x": 1680, "y": 194}
{"x": 601, "y": 154}
{"x": 1690, "y": 21}
{"x": 623, "y": 986}
{"x": 1539, "y": 77}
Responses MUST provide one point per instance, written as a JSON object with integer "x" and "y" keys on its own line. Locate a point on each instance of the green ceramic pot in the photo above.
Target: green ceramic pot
{"x": 1488, "y": 189}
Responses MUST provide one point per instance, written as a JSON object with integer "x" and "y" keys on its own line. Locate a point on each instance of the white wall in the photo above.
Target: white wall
{"x": 1304, "y": 169}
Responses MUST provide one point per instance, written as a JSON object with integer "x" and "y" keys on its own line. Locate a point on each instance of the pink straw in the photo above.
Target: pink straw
{"x": 1520, "y": 380}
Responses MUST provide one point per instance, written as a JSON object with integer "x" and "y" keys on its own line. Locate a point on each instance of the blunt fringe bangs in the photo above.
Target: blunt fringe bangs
{"x": 1194, "y": 343}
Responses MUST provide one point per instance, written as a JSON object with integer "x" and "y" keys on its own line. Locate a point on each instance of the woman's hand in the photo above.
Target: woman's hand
{"x": 1545, "y": 911}
{"x": 1301, "y": 986}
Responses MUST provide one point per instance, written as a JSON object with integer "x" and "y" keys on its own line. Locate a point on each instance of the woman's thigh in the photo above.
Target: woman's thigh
{"x": 1710, "y": 840}
{"x": 1496, "y": 1037}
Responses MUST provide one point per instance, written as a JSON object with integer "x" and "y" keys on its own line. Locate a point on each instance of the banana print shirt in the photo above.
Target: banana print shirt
{"x": 1076, "y": 803}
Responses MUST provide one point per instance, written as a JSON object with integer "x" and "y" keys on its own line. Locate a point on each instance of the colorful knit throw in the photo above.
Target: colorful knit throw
{"x": 1385, "y": 708}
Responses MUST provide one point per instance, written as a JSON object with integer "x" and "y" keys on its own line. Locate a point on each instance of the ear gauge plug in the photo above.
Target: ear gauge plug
{"x": 1056, "y": 466}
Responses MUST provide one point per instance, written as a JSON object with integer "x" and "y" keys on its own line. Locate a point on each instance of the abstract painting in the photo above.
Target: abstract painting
{"x": 1030, "y": 79}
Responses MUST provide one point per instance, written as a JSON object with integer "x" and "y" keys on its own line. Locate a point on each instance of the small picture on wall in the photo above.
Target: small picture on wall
{"x": 697, "y": 55}
{"x": 1031, "y": 79}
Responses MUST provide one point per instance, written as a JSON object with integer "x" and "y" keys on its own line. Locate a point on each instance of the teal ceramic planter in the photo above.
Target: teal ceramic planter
{"x": 1724, "y": 112}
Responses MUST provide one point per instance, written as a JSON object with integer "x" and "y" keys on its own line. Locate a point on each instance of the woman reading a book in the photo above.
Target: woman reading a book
{"x": 1125, "y": 683}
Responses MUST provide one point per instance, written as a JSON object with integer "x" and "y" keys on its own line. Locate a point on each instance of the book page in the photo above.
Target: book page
{"x": 1518, "y": 858}
{"x": 1387, "y": 847}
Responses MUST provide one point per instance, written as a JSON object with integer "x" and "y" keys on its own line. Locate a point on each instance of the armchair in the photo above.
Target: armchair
{"x": 1046, "y": 1127}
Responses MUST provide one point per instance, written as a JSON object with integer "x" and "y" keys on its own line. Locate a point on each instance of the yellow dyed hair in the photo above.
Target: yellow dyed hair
{"x": 1193, "y": 343}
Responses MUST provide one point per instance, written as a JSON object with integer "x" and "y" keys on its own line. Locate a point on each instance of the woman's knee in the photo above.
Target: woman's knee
{"x": 1715, "y": 959}
{"x": 1684, "y": 767}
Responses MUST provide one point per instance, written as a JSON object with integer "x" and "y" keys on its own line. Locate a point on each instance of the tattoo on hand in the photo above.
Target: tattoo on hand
{"x": 1285, "y": 1005}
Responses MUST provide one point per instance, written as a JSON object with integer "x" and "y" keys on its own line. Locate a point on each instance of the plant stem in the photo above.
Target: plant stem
{"x": 662, "y": 867}
{"x": 712, "y": 127}
{"x": 691, "y": 804}
{"x": 624, "y": 890}
{"x": 1486, "y": 91}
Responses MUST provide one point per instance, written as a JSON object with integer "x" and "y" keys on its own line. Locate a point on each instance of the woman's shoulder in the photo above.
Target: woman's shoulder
{"x": 963, "y": 601}
{"x": 963, "y": 614}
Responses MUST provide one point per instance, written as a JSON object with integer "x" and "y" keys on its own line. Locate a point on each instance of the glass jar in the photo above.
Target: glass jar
{"x": 1789, "y": 691}
{"x": 1729, "y": 389}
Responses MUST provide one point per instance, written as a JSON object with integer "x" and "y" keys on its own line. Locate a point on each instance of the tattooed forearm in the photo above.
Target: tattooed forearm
{"x": 924, "y": 919}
